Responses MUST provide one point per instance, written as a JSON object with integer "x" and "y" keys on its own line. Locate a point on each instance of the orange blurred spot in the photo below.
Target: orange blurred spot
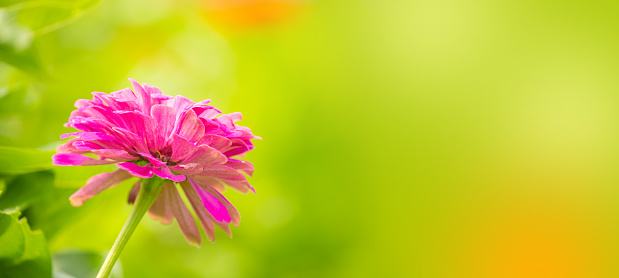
{"x": 528, "y": 234}
{"x": 250, "y": 14}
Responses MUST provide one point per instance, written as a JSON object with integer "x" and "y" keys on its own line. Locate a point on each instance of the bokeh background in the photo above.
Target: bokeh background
{"x": 414, "y": 138}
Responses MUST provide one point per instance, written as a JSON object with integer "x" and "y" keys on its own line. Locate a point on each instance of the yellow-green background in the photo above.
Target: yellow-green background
{"x": 429, "y": 138}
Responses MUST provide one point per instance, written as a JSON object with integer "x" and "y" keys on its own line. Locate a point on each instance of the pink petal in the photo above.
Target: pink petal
{"x": 125, "y": 94}
{"x": 84, "y": 102}
{"x": 164, "y": 117}
{"x": 198, "y": 207}
{"x": 134, "y": 140}
{"x": 205, "y": 156}
{"x": 143, "y": 98}
{"x": 68, "y": 147}
{"x": 241, "y": 165}
{"x": 156, "y": 162}
{"x": 237, "y": 147}
{"x": 181, "y": 148}
{"x": 190, "y": 127}
{"x": 215, "y": 141}
{"x": 204, "y": 102}
{"x": 133, "y": 194}
{"x": 229, "y": 175}
{"x": 209, "y": 113}
{"x": 240, "y": 186}
{"x": 188, "y": 169}
{"x": 183, "y": 216}
{"x": 116, "y": 155}
{"x": 223, "y": 172}
{"x": 67, "y": 135}
{"x": 74, "y": 159}
{"x": 216, "y": 204}
{"x": 96, "y": 184}
{"x": 141, "y": 125}
{"x": 215, "y": 183}
{"x": 152, "y": 90}
{"x": 161, "y": 210}
{"x": 137, "y": 170}
{"x": 180, "y": 104}
{"x": 226, "y": 121}
{"x": 165, "y": 173}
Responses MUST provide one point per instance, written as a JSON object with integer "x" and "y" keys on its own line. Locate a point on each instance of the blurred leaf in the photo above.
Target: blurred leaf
{"x": 23, "y": 20}
{"x": 54, "y": 212}
{"x": 11, "y": 238}
{"x": 26, "y": 189}
{"x": 6, "y": 3}
{"x": 79, "y": 263}
{"x": 2, "y": 186}
{"x": 21, "y": 160}
{"x": 24, "y": 253}
{"x": 46, "y": 16}
{"x": 16, "y": 44}
{"x": 11, "y": 99}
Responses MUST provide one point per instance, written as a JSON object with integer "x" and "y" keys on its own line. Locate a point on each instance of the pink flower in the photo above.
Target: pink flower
{"x": 148, "y": 133}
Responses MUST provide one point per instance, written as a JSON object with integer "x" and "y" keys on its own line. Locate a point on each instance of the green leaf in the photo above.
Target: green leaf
{"x": 21, "y": 21}
{"x": 16, "y": 44}
{"x": 24, "y": 252}
{"x": 15, "y": 99}
{"x": 11, "y": 238}
{"x": 26, "y": 189}
{"x": 21, "y": 160}
{"x": 46, "y": 16}
{"x": 2, "y": 186}
{"x": 54, "y": 212}
{"x": 76, "y": 264}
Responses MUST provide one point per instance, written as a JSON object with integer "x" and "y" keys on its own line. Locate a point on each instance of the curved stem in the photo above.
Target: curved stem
{"x": 149, "y": 190}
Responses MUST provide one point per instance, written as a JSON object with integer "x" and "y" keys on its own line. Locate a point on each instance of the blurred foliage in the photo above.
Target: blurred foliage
{"x": 24, "y": 253}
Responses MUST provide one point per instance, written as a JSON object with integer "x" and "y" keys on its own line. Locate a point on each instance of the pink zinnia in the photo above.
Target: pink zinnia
{"x": 148, "y": 133}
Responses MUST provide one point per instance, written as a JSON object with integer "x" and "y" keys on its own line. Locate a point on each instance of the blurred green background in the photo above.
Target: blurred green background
{"x": 411, "y": 138}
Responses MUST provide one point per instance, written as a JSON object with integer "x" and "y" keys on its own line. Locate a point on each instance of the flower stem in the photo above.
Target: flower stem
{"x": 149, "y": 190}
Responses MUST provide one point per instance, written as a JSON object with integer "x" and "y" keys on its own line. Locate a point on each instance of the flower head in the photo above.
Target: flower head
{"x": 147, "y": 133}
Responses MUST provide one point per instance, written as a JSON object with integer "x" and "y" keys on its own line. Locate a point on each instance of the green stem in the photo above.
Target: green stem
{"x": 149, "y": 190}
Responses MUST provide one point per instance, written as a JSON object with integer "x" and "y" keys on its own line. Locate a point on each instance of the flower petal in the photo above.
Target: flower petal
{"x": 216, "y": 204}
{"x": 116, "y": 155}
{"x": 198, "y": 207}
{"x": 181, "y": 148}
{"x": 205, "y": 156}
{"x": 137, "y": 170}
{"x": 125, "y": 94}
{"x": 214, "y": 141}
{"x": 96, "y": 184}
{"x": 140, "y": 124}
{"x": 164, "y": 117}
{"x": 156, "y": 162}
{"x": 68, "y": 147}
{"x": 75, "y": 159}
{"x": 183, "y": 216}
{"x": 190, "y": 127}
{"x": 241, "y": 165}
{"x": 180, "y": 104}
{"x": 188, "y": 169}
{"x": 67, "y": 135}
{"x": 165, "y": 173}
{"x": 133, "y": 194}
{"x": 227, "y": 174}
{"x": 237, "y": 147}
{"x": 212, "y": 204}
{"x": 144, "y": 100}
{"x": 161, "y": 210}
